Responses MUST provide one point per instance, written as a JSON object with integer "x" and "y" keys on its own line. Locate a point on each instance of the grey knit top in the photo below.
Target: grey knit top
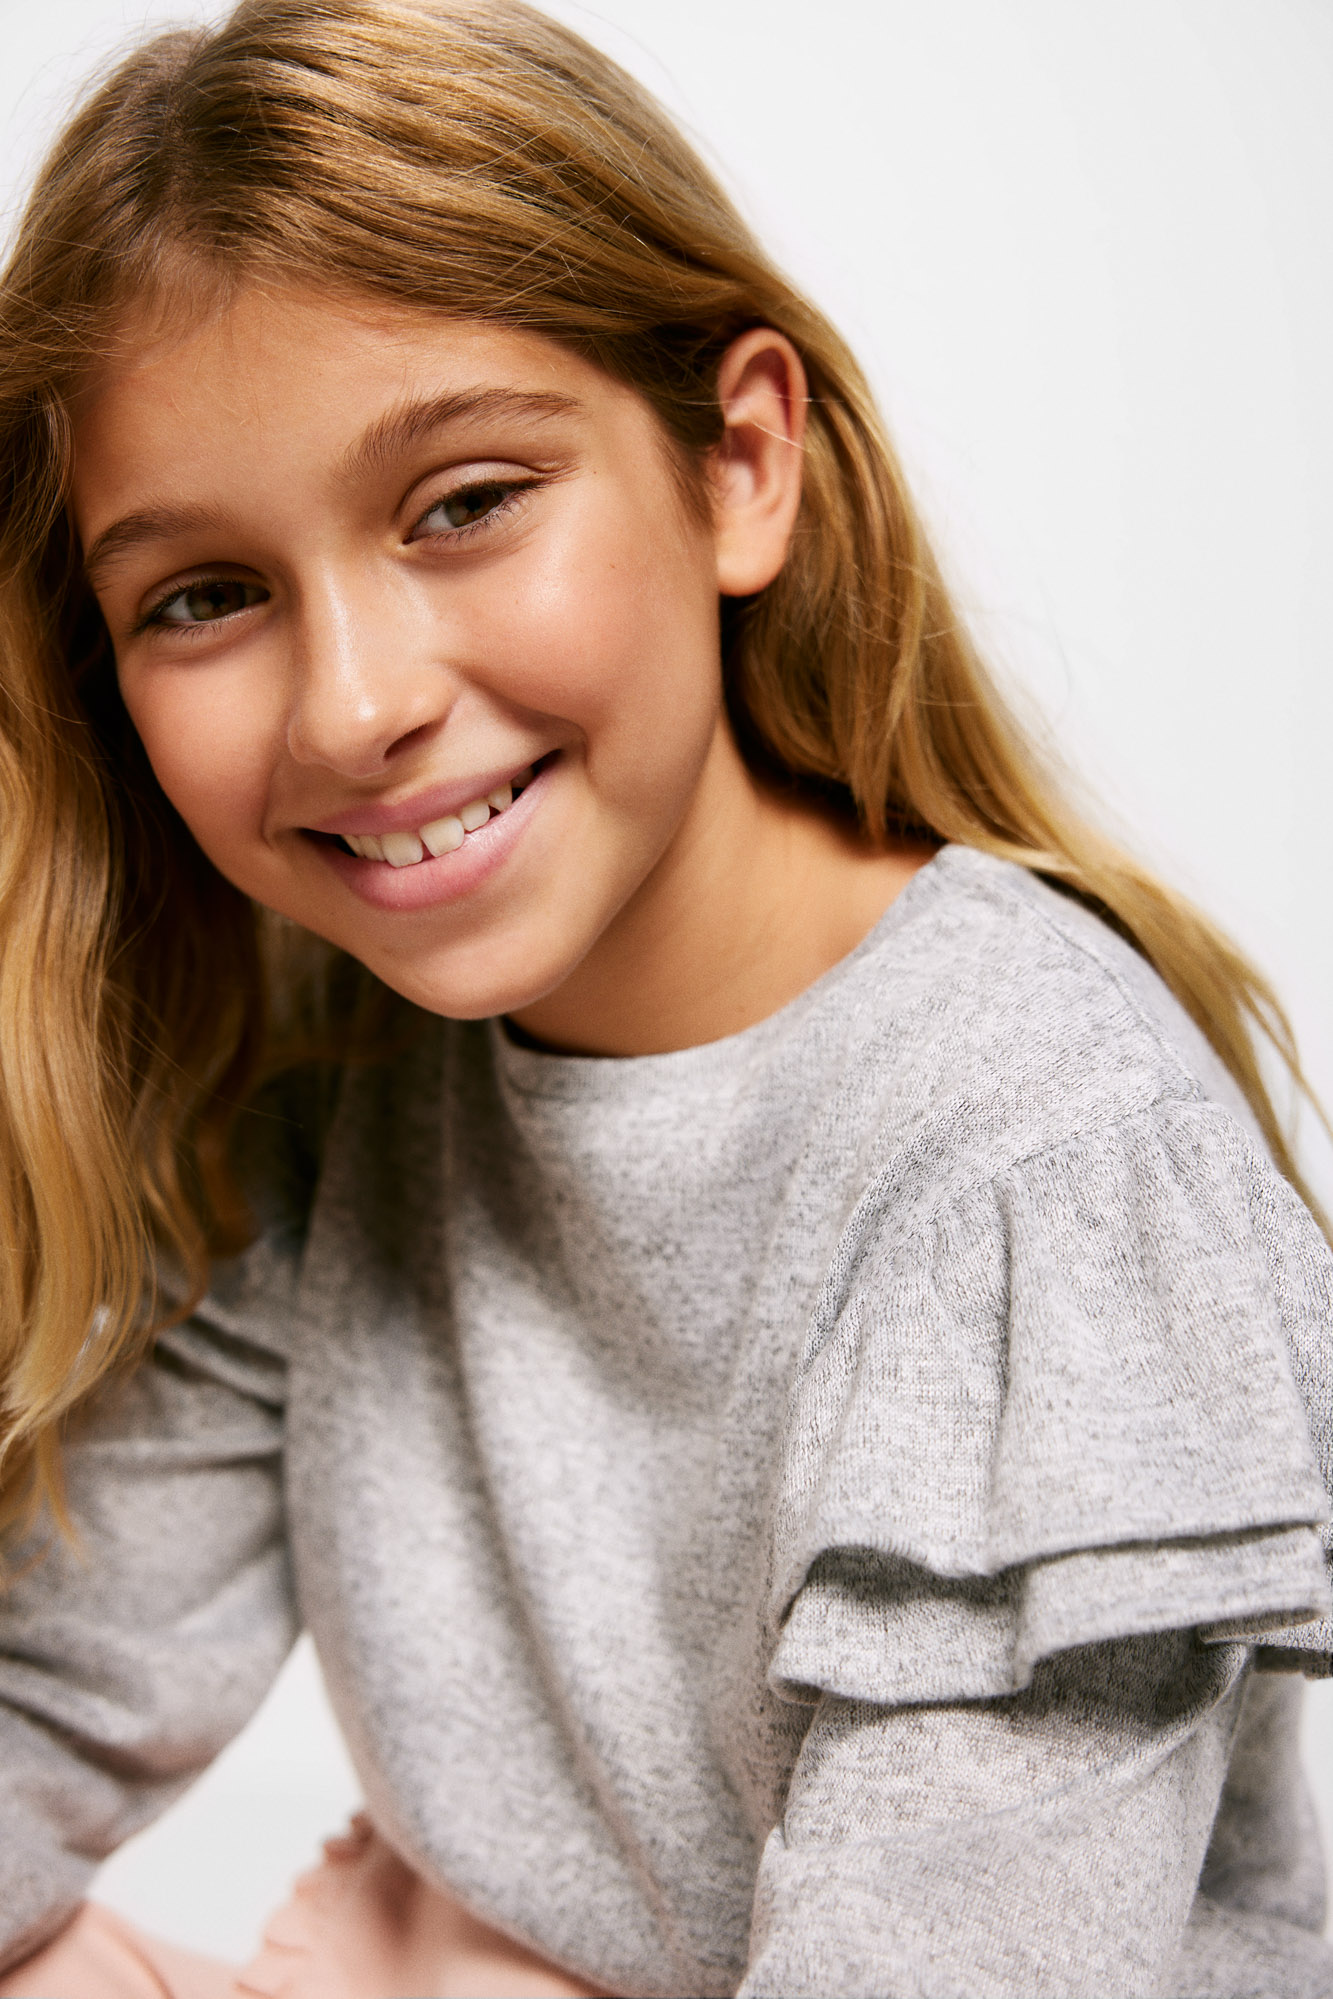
{"x": 799, "y": 1515}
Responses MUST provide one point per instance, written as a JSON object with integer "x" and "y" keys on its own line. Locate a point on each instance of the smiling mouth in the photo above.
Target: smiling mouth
{"x": 439, "y": 836}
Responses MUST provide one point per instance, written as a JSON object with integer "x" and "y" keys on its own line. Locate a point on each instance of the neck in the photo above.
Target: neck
{"x": 757, "y": 896}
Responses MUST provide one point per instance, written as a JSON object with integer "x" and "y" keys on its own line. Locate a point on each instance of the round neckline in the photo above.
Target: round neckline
{"x": 545, "y": 1072}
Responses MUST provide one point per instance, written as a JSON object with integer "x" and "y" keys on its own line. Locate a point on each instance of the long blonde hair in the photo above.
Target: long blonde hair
{"x": 480, "y": 161}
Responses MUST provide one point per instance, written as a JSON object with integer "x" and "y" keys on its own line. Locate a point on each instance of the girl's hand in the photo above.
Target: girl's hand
{"x": 362, "y": 1925}
{"x": 98, "y": 1956}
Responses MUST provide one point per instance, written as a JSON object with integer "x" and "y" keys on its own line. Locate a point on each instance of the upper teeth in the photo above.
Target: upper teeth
{"x": 441, "y": 836}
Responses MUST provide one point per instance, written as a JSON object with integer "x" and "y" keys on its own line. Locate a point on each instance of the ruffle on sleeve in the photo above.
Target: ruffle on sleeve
{"x": 1090, "y": 1398}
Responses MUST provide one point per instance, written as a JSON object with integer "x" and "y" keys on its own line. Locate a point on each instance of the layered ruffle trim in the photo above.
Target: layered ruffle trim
{"x": 1091, "y": 1398}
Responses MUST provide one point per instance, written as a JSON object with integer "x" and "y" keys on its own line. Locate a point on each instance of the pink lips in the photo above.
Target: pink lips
{"x": 421, "y": 809}
{"x": 433, "y": 882}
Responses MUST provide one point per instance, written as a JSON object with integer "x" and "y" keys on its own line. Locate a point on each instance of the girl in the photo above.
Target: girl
{"x": 580, "y": 1118}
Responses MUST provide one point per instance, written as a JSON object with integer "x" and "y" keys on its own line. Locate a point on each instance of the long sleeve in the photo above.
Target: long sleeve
{"x": 130, "y": 1658}
{"x": 1058, "y": 1465}
{"x": 1048, "y": 1844}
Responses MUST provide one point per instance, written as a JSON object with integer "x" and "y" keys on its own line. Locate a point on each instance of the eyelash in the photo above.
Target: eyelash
{"x": 512, "y": 489}
{"x": 152, "y": 619}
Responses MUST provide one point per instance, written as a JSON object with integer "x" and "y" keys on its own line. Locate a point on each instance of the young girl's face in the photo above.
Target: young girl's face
{"x": 368, "y": 572}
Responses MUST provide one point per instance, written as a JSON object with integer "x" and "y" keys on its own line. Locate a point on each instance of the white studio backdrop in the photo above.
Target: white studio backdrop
{"x": 1087, "y": 255}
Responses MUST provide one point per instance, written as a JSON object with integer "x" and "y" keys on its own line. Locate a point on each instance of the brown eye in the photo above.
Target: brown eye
{"x": 461, "y": 509}
{"x": 465, "y": 507}
{"x": 205, "y": 602}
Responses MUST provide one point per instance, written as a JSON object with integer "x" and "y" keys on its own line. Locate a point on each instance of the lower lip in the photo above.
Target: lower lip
{"x": 433, "y": 882}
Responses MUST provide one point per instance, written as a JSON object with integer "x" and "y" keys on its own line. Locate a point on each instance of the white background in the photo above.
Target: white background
{"x": 1086, "y": 251}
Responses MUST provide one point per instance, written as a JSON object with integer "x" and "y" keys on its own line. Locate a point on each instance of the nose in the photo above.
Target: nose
{"x": 367, "y": 682}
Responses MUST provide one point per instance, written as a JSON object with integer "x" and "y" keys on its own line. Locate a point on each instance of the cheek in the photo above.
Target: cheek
{"x": 615, "y": 629}
{"x": 209, "y": 752}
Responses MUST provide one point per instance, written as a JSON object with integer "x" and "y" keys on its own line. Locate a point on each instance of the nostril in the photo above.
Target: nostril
{"x": 412, "y": 738}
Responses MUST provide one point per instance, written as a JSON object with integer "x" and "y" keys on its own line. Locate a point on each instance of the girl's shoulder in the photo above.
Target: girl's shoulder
{"x": 1028, "y": 1020}
{"x": 1072, "y": 1367}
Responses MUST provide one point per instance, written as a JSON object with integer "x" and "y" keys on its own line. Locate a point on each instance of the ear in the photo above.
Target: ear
{"x": 755, "y": 470}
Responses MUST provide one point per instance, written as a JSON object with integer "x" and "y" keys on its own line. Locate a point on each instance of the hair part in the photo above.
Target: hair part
{"x": 479, "y": 161}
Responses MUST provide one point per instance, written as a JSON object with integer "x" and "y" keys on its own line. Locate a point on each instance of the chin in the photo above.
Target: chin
{"x": 449, "y": 991}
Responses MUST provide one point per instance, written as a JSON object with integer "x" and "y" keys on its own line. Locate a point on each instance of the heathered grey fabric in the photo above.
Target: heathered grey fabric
{"x": 783, "y": 1517}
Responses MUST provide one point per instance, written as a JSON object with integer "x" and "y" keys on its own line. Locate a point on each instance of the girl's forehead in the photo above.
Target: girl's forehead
{"x": 265, "y": 335}
{"x": 317, "y": 380}
{"x": 275, "y": 391}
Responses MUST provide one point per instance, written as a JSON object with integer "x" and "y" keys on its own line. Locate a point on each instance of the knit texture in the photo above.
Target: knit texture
{"x": 788, "y": 1516}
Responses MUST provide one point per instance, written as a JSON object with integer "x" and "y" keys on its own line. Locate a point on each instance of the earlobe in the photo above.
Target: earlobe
{"x": 755, "y": 470}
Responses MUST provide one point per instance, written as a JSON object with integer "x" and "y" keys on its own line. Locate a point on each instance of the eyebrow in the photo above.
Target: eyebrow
{"x": 406, "y": 424}
{"x": 148, "y": 524}
{"x": 388, "y": 436}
